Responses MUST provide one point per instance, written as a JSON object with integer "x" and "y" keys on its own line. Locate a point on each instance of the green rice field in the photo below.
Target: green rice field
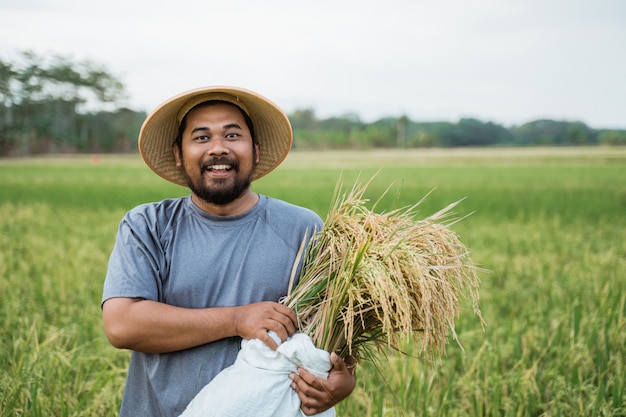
{"x": 546, "y": 225}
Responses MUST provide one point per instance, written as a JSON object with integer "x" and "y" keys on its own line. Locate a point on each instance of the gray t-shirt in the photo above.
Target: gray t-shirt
{"x": 175, "y": 253}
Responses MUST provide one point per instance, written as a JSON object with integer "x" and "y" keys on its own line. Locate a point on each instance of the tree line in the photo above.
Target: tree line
{"x": 54, "y": 104}
{"x": 401, "y": 132}
{"x": 57, "y": 105}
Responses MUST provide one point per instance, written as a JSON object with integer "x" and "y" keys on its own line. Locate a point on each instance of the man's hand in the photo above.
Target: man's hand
{"x": 253, "y": 321}
{"x": 319, "y": 394}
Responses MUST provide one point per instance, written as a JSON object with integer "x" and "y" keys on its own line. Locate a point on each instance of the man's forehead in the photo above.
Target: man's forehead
{"x": 216, "y": 107}
{"x": 220, "y": 111}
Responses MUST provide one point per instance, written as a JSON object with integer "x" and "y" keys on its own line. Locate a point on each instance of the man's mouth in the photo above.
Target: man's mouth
{"x": 222, "y": 167}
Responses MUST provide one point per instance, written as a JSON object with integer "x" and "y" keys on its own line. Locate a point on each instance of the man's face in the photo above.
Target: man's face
{"x": 217, "y": 153}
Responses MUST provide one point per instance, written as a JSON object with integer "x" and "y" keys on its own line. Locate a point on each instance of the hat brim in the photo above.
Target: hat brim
{"x": 159, "y": 130}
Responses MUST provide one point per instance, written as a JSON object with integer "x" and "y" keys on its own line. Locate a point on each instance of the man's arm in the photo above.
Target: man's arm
{"x": 154, "y": 327}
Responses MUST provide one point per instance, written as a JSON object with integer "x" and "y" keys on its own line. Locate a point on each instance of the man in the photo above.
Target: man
{"x": 190, "y": 277}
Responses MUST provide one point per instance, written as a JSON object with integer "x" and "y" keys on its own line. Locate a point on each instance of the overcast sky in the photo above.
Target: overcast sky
{"x": 505, "y": 61}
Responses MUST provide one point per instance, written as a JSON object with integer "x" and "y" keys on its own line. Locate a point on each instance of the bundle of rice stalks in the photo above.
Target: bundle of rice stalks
{"x": 370, "y": 280}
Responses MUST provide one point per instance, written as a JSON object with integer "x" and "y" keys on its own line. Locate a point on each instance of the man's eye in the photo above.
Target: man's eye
{"x": 202, "y": 138}
{"x": 232, "y": 135}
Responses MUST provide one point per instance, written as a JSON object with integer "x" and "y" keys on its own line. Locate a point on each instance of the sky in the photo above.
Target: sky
{"x": 502, "y": 61}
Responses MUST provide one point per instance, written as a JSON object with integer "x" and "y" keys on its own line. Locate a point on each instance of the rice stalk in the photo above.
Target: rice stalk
{"x": 370, "y": 280}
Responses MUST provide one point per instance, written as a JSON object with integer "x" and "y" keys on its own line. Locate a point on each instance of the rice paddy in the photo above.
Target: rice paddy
{"x": 547, "y": 225}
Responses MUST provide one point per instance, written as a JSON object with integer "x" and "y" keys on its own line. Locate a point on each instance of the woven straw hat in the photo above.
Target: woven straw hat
{"x": 158, "y": 133}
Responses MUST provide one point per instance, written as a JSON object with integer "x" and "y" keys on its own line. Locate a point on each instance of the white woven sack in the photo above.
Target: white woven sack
{"x": 258, "y": 383}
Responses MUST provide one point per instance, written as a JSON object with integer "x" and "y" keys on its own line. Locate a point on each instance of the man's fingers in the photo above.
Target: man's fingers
{"x": 350, "y": 362}
{"x": 287, "y": 317}
{"x": 313, "y": 397}
{"x": 281, "y": 322}
{"x": 278, "y": 328}
{"x": 254, "y": 321}
{"x": 268, "y": 340}
{"x": 308, "y": 378}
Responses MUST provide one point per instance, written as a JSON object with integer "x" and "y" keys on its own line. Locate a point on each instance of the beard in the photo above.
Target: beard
{"x": 223, "y": 190}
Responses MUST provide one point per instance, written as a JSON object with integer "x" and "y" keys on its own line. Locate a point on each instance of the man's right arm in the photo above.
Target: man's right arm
{"x": 154, "y": 327}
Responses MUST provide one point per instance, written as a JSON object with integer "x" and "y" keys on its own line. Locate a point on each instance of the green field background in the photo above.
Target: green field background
{"x": 547, "y": 225}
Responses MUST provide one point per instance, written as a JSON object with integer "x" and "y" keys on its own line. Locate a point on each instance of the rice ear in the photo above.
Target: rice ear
{"x": 369, "y": 280}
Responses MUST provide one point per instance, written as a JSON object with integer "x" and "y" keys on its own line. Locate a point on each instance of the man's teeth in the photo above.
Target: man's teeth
{"x": 219, "y": 167}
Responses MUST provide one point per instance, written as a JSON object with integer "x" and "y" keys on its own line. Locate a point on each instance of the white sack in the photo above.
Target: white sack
{"x": 258, "y": 383}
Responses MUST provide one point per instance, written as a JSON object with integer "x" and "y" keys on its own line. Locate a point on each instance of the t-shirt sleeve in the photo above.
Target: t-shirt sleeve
{"x": 134, "y": 268}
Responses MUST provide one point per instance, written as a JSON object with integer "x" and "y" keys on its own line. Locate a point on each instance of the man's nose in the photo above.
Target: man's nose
{"x": 217, "y": 146}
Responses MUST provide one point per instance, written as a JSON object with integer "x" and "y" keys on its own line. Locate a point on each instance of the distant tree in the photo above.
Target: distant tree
{"x": 401, "y": 131}
{"x": 423, "y": 134}
{"x": 342, "y": 123}
{"x": 473, "y": 132}
{"x": 612, "y": 137}
{"x": 551, "y": 132}
{"x": 380, "y": 134}
{"x": 46, "y": 102}
{"x": 303, "y": 119}
{"x": 7, "y": 77}
{"x": 115, "y": 131}
{"x": 577, "y": 134}
{"x": 424, "y": 138}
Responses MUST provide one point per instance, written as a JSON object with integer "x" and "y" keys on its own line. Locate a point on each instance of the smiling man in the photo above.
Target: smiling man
{"x": 190, "y": 277}
{"x": 218, "y": 157}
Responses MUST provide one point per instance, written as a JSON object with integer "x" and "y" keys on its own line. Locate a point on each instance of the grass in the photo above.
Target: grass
{"x": 548, "y": 224}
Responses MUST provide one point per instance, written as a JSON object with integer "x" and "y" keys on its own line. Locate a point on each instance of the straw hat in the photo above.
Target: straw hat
{"x": 158, "y": 133}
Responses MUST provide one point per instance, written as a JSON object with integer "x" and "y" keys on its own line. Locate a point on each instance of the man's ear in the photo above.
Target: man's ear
{"x": 177, "y": 155}
{"x": 257, "y": 151}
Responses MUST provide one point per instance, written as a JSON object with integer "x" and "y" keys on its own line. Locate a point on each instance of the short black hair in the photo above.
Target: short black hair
{"x": 183, "y": 123}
